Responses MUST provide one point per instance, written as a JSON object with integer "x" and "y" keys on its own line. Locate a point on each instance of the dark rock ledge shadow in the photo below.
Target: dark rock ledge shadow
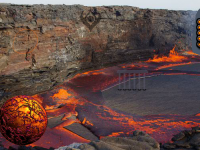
{"x": 185, "y": 140}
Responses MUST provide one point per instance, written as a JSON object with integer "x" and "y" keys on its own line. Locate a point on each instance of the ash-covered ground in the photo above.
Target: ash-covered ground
{"x": 165, "y": 94}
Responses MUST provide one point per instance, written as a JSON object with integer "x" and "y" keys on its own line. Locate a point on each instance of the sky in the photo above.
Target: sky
{"x": 152, "y": 4}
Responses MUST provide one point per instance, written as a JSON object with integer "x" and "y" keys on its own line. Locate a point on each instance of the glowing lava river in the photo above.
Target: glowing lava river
{"x": 82, "y": 97}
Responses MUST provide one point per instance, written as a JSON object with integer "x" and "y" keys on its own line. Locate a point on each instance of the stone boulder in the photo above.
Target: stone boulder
{"x": 139, "y": 141}
{"x": 185, "y": 140}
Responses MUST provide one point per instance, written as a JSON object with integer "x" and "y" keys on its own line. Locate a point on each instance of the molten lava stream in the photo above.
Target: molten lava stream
{"x": 160, "y": 127}
{"x": 81, "y": 97}
{"x": 107, "y": 122}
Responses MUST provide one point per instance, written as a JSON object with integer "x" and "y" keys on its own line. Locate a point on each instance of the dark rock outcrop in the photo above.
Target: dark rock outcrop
{"x": 43, "y": 45}
{"x": 139, "y": 141}
{"x": 185, "y": 140}
{"x": 82, "y": 131}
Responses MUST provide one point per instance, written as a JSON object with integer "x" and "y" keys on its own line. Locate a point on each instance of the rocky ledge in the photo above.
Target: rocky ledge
{"x": 43, "y": 45}
{"x": 185, "y": 140}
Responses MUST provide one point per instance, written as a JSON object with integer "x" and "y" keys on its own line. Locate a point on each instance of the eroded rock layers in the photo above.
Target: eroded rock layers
{"x": 43, "y": 45}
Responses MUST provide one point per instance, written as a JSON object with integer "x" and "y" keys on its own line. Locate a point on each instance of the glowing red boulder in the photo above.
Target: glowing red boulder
{"x": 23, "y": 120}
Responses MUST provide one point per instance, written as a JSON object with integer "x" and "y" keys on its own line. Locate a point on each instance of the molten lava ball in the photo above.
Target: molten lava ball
{"x": 23, "y": 120}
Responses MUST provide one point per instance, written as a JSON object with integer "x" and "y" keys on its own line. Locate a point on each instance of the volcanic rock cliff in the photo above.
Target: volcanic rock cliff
{"x": 43, "y": 45}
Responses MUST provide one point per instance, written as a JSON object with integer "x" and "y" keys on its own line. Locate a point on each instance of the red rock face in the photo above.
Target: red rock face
{"x": 23, "y": 120}
{"x": 62, "y": 45}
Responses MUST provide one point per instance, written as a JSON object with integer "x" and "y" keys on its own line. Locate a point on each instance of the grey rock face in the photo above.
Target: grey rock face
{"x": 56, "y": 44}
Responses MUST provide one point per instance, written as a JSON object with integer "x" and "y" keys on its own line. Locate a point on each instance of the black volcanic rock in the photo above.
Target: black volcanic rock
{"x": 178, "y": 137}
{"x": 41, "y": 148}
{"x": 53, "y": 122}
{"x": 186, "y": 140}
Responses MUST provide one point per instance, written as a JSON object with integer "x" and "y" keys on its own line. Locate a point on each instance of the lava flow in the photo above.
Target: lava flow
{"x": 80, "y": 101}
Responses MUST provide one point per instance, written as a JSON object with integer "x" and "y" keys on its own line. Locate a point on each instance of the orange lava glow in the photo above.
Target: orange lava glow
{"x": 87, "y": 122}
{"x": 172, "y": 65}
{"x": 173, "y": 57}
{"x": 172, "y": 74}
{"x": 94, "y": 72}
{"x": 191, "y": 53}
{"x": 63, "y": 97}
{"x": 115, "y": 134}
{"x": 62, "y": 94}
{"x": 76, "y": 100}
